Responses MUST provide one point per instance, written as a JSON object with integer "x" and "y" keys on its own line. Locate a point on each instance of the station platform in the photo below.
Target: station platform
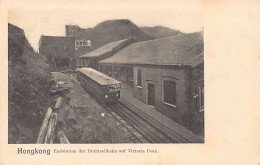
{"x": 127, "y": 96}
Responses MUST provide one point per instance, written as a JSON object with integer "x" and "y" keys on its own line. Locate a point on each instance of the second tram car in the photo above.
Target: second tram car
{"x": 102, "y": 87}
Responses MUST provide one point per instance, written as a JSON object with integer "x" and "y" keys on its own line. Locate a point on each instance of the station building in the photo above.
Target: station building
{"x": 92, "y": 58}
{"x": 167, "y": 74}
{"x": 59, "y": 51}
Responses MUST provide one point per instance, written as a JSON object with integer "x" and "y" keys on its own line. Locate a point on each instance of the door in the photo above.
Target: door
{"x": 130, "y": 76}
{"x": 151, "y": 94}
{"x": 200, "y": 100}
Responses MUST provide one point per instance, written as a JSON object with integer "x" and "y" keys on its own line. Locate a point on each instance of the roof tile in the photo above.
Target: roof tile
{"x": 183, "y": 49}
{"x": 104, "y": 49}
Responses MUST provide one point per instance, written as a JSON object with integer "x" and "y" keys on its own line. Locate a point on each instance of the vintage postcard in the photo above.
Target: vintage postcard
{"x": 130, "y": 82}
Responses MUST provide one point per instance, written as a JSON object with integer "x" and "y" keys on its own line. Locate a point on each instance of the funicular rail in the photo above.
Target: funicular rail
{"x": 150, "y": 129}
{"x": 171, "y": 134}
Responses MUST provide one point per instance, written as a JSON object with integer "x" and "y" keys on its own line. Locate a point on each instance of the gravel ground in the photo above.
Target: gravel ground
{"x": 92, "y": 124}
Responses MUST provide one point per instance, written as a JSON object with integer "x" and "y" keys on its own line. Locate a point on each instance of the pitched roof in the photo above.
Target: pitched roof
{"x": 97, "y": 76}
{"x": 185, "y": 49}
{"x": 104, "y": 49}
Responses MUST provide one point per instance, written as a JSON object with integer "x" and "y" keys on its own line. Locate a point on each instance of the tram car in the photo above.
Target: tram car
{"x": 102, "y": 87}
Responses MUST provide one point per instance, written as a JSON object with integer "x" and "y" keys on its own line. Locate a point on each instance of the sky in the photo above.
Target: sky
{"x": 186, "y": 16}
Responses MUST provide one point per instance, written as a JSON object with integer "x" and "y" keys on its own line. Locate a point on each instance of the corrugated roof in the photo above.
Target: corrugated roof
{"x": 100, "y": 78}
{"x": 104, "y": 49}
{"x": 180, "y": 50}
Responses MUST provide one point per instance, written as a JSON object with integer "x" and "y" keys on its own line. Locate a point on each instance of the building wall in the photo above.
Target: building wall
{"x": 95, "y": 65}
{"x": 58, "y": 48}
{"x": 91, "y": 62}
{"x": 155, "y": 76}
{"x": 197, "y": 114}
{"x": 119, "y": 72}
{"x": 187, "y": 111}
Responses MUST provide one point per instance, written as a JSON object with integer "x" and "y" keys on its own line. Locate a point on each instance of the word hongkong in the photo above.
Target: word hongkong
{"x": 34, "y": 151}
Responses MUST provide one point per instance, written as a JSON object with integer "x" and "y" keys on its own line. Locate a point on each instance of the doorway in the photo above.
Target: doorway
{"x": 151, "y": 94}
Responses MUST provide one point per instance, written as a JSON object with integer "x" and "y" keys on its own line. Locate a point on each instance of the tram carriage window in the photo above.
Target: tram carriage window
{"x": 111, "y": 89}
{"x": 114, "y": 88}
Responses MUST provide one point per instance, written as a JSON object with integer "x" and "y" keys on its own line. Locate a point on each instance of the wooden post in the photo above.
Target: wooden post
{"x": 44, "y": 125}
{"x": 52, "y": 124}
{"x": 58, "y": 104}
{"x": 50, "y": 131}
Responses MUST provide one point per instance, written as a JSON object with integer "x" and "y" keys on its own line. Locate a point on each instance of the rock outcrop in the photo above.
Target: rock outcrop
{"x": 28, "y": 88}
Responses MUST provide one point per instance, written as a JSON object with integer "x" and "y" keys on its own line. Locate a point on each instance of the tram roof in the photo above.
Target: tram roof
{"x": 97, "y": 76}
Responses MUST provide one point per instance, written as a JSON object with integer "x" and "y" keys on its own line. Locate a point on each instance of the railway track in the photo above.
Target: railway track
{"x": 143, "y": 128}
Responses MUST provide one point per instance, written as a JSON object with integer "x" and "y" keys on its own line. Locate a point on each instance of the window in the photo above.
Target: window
{"x": 139, "y": 77}
{"x": 89, "y": 42}
{"x": 169, "y": 92}
{"x": 80, "y": 43}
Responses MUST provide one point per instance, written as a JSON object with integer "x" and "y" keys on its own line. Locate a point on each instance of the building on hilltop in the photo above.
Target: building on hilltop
{"x": 167, "y": 74}
{"x": 91, "y": 59}
{"x": 59, "y": 51}
{"x": 73, "y": 30}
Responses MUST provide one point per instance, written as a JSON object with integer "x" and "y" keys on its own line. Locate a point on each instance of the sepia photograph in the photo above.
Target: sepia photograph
{"x": 130, "y": 82}
{"x": 91, "y": 78}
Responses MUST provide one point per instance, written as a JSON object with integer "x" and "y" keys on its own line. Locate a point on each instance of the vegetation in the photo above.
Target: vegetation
{"x": 28, "y": 97}
{"x": 160, "y": 31}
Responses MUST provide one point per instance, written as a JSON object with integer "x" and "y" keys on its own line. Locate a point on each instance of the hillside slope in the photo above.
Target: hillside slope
{"x": 28, "y": 97}
{"x": 160, "y": 31}
{"x": 109, "y": 31}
